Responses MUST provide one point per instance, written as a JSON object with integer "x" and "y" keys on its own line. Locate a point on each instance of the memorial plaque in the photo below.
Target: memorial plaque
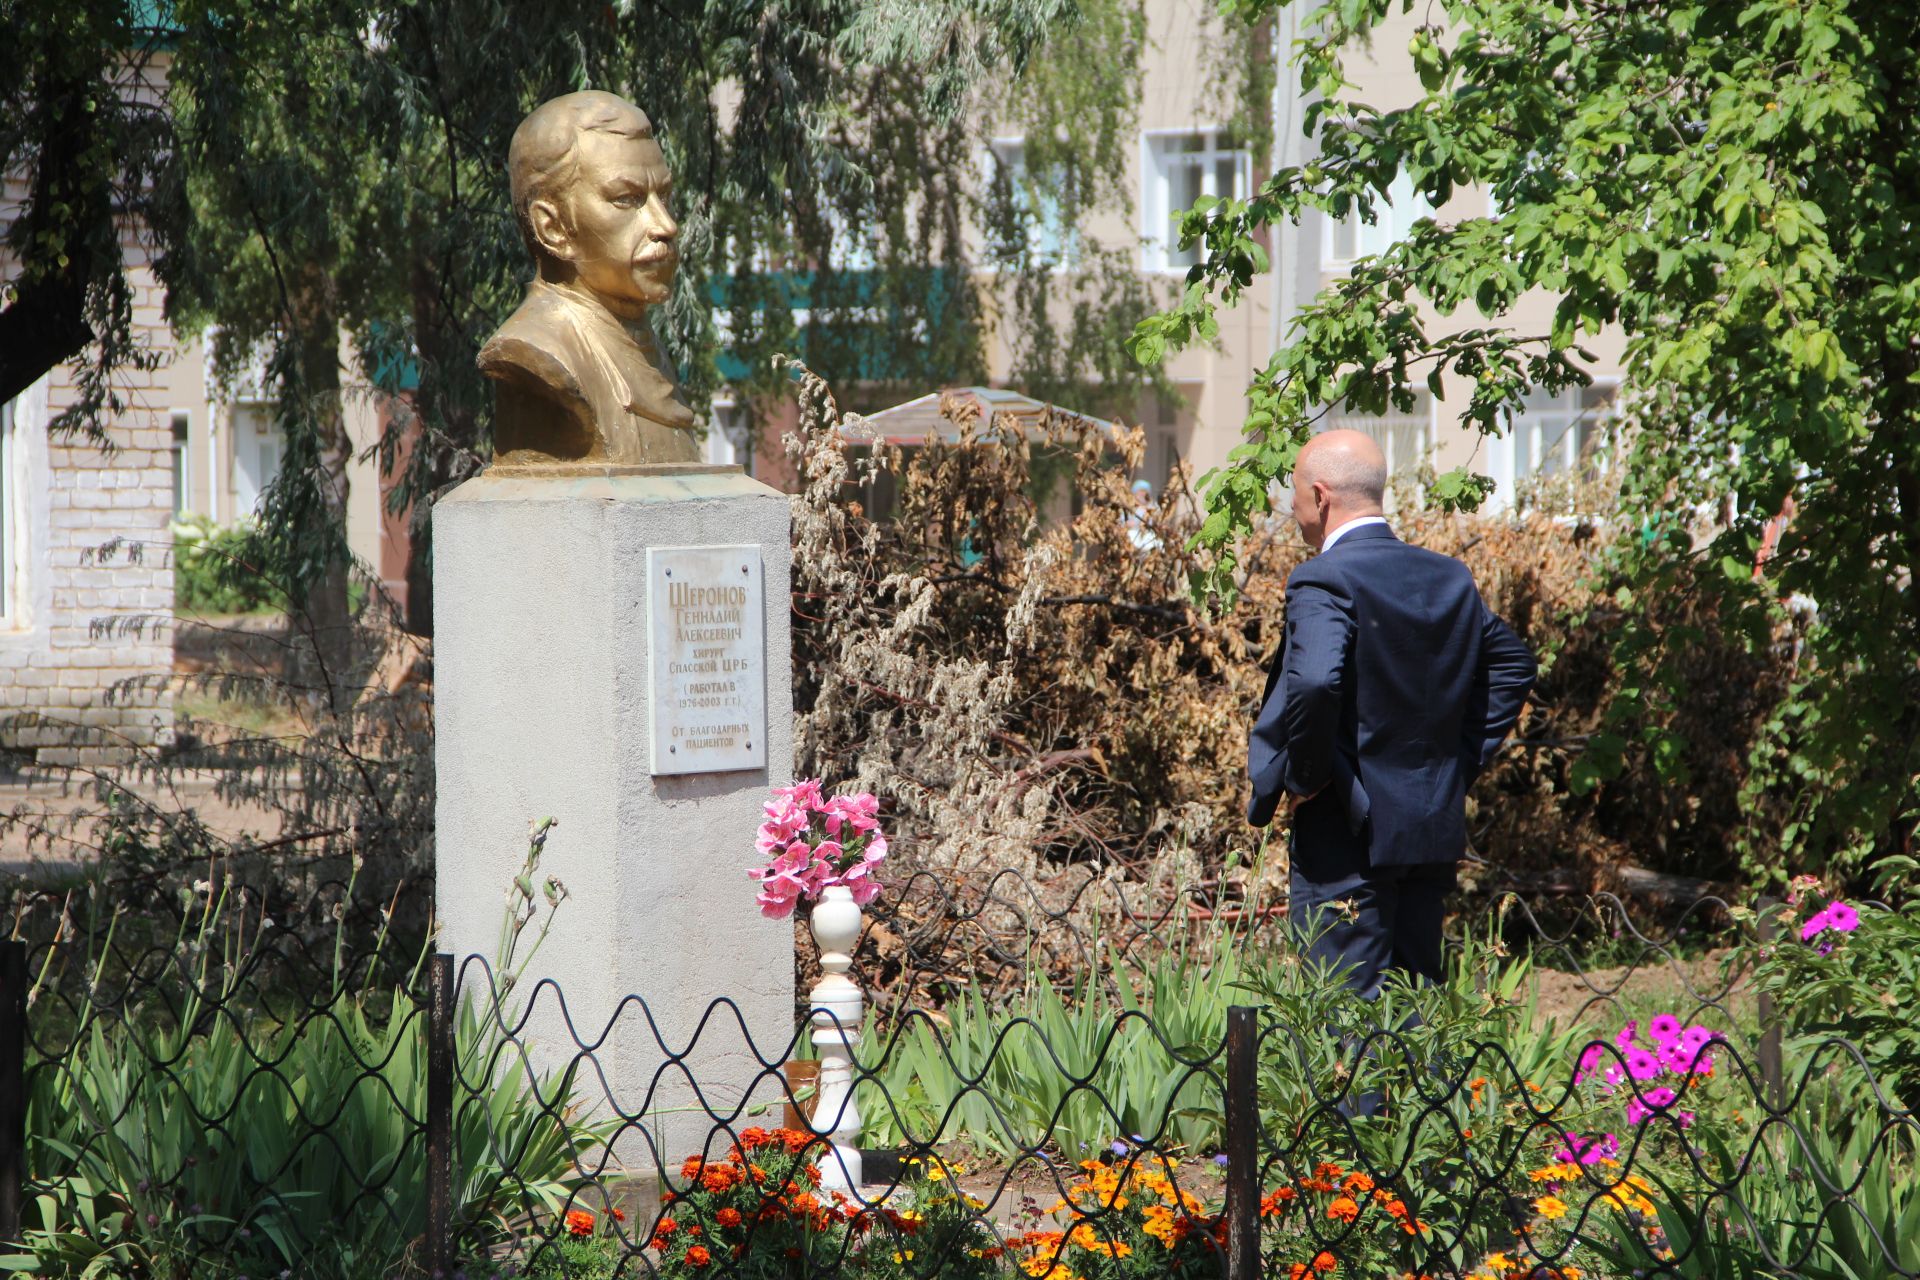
{"x": 707, "y": 610}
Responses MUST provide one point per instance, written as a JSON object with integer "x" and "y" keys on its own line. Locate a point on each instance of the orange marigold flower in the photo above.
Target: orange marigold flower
{"x": 698, "y": 1256}
{"x": 1358, "y": 1184}
{"x": 795, "y": 1140}
{"x": 617, "y": 1215}
{"x": 692, "y": 1167}
{"x": 1343, "y": 1209}
{"x": 1300, "y": 1271}
{"x": 728, "y": 1217}
{"x": 1324, "y": 1262}
{"x": 1396, "y": 1208}
{"x": 579, "y": 1222}
{"x": 1272, "y": 1204}
{"x": 1327, "y": 1169}
{"x": 754, "y": 1136}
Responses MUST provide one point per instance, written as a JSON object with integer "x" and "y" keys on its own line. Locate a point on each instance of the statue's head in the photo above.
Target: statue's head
{"x": 590, "y": 190}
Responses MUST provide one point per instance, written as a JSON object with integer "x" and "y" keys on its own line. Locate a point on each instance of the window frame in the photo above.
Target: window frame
{"x": 1066, "y": 249}
{"x": 1502, "y": 455}
{"x": 1158, "y": 248}
{"x": 1429, "y": 431}
{"x": 181, "y": 422}
{"x": 1331, "y": 260}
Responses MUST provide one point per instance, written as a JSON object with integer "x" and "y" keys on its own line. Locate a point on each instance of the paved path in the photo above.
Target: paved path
{"x": 49, "y": 817}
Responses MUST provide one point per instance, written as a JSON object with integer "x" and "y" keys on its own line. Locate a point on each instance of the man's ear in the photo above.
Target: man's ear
{"x": 550, "y": 229}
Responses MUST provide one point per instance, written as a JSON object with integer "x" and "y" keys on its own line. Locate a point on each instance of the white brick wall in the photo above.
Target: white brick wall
{"x": 66, "y": 648}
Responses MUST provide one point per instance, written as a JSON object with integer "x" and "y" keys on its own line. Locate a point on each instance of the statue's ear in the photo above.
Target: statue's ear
{"x": 550, "y": 229}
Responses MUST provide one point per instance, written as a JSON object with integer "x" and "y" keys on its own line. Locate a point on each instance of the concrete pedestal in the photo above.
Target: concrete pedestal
{"x": 542, "y": 701}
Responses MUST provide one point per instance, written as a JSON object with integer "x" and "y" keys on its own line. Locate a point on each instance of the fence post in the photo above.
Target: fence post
{"x": 13, "y": 1086}
{"x": 1772, "y": 1066}
{"x": 440, "y": 1116}
{"x": 1242, "y": 1140}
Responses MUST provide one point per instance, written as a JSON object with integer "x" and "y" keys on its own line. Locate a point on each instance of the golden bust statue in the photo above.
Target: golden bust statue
{"x": 582, "y": 377}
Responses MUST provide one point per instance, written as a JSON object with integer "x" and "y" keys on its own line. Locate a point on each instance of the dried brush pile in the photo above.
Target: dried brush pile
{"x": 1027, "y": 693}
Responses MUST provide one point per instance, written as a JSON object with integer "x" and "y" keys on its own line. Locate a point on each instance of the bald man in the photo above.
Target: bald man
{"x": 1393, "y": 688}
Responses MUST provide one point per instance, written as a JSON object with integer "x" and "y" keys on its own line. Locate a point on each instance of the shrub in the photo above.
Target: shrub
{"x": 1022, "y": 690}
{"x": 212, "y": 1120}
{"x": 1847, "y": 972}
{"x": 215, "y": 569}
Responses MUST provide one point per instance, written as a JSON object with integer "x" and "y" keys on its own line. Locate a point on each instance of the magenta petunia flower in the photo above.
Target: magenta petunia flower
{"x": 1590, "y": 1060}
{"x": 1627, "y": 1033}
{"x": 1642, "y": 1065}
{"x": 1663, "y": 1028}
{"x": 1842, "y": 918}
{"x": 1588, "y": 1150}
{"x": 1816, "y": 923}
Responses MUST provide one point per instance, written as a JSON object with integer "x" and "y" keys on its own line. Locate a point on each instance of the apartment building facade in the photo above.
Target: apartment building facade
{"x": 1185, "y": 152}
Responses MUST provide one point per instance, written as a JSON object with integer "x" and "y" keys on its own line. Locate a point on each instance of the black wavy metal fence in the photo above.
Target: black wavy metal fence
{"x": 241, "y": 1101}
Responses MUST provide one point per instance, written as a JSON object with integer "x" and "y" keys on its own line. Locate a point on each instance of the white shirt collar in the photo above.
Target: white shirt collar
{"x": 1341, "y": 531}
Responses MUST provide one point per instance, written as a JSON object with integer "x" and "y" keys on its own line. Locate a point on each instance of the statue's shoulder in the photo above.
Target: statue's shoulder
{"x": 536, "y": 348}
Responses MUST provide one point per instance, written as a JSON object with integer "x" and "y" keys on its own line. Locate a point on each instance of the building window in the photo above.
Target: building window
{"x": 1351, "y": 237}
{"x": 182, "y": 487}
{"x": 1403, "y": 437}
{"x": 850, "y": 245}
{"x": 730, "y": 436}
{"x": 1177, "y": 169}
{"x": 1034, "y": 204}
{"x": 1555, "y": 433}
{"x": 256, "y": 455}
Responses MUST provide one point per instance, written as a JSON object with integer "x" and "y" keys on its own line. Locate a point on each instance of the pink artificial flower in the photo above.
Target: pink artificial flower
{"x": 863, "y": 887}
{"x": 1663, "y": 1028}
{"x": 780, "y": 892}
{"x": 1842, "y": 918}
{"x": 777, "y": 899}
{"x": 1816, "y": 923}
{"x": 861, "y": 811}
{"x": 849, "y": 846}
{"x": 820, "y": 870}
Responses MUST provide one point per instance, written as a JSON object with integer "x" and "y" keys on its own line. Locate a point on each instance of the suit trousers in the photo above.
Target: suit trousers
{"x": 1367, "y": 922}
{"x": 1373, "y": 919}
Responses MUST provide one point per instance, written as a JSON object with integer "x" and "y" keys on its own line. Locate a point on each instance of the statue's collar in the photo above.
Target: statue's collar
{"x": 574, "y": 296}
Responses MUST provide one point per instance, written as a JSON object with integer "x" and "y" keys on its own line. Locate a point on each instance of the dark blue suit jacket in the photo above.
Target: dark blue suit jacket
{"x": 1393, "y": 688}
